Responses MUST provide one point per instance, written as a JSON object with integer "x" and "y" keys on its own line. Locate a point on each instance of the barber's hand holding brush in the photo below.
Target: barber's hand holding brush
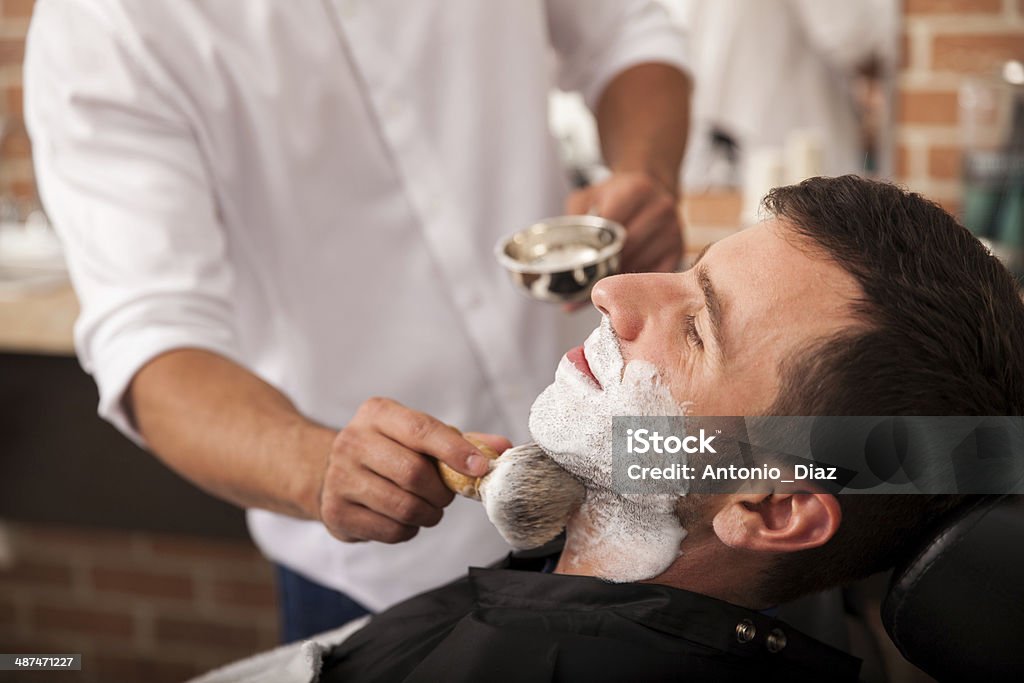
{"x": 392, "y": 470}
{"x": 527, "y": 496}
{"x": 380, "y": 481}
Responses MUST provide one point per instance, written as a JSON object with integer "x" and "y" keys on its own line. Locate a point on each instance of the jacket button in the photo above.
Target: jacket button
{"x": 745, "y": 631}
{"x": 776, "y": 640}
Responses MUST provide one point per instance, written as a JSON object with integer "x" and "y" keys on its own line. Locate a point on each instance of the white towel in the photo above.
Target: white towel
{"x": 294, "y": 663}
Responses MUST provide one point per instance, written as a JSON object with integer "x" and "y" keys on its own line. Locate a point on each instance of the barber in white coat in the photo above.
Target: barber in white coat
{"x": 275, "y": 210}
{"x": 767, "y": 68}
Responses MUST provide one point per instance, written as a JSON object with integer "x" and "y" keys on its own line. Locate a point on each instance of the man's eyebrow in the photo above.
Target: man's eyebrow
{"x": 713, "y": 304}
{"x": 703, "y": 251}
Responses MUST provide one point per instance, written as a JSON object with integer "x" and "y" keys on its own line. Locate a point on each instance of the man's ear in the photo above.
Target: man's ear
{"x": 780, "y": 522}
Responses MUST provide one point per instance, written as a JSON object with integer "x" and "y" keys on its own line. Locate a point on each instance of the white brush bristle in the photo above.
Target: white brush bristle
{"x": 528, "y": 497}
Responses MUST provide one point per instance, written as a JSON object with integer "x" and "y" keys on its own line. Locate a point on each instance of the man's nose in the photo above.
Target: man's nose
{"x": 627, "y": 300}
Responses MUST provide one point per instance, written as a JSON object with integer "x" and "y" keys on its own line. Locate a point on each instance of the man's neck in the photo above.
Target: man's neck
{"x": 704, "y": 565}
{"x": 620, "y": 540}
{"x": 709, "y": 568}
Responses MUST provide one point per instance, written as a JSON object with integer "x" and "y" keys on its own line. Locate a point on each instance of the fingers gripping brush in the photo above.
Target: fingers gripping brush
{"x": 528, "y": 497}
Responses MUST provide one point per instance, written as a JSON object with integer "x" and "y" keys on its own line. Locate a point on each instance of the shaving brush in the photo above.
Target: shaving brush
{"x": 526, "y": 495}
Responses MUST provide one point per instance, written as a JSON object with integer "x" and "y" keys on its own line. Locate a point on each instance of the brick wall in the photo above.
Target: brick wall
{"x": 139, "y": 607}
{"x": 943, "y": 41}
{"x": 15, "y": 154}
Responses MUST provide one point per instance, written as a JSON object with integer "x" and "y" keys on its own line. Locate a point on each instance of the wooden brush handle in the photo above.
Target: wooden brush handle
{"x": 459, "y": 483}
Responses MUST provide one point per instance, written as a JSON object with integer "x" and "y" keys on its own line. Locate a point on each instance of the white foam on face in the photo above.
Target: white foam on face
{"x": 617, "y": 537}
{"x": 620, "y": 539}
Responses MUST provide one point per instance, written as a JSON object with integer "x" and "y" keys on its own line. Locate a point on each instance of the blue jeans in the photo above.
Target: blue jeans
{"x": 307, "y": 608}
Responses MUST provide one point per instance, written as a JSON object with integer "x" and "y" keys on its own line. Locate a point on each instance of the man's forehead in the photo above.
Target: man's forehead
{"x": 771, "y": 234}
{"x": 769, "y": 250}
{"x": 765, "y": 272}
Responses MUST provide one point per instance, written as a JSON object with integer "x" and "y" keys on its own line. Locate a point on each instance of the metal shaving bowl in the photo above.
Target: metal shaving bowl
{"x": 559, "y": 259}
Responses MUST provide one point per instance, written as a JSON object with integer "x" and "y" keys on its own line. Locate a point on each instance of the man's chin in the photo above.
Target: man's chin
{"x": 548, "y": 416}
{"x": 573, "y": 433}
{"x": 572, "y": 418}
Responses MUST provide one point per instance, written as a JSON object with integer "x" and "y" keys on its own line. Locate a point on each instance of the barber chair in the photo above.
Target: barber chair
{"x": 955, "y": 609}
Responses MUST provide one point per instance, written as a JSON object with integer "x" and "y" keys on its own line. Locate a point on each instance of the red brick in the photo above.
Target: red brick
{"x": 245, "y": 593}
{"x": 976, "y": 53}
{"x": 712, "y": 208}
{"x": 50, "y": 539}
{"x": 25, "y": 644}
{"x": 950, "y": 204}
{"x": 929, "y": 107}
{"x": 28, "y": 572}
{"x": 21, "y": 9}
{"x": 14, "y": 98}
{"x": 12, "y": 51}
{"x": 82, "y": 620}
{"x": 952, "y": 6}
{"x": 109, "y": 667}
{"x": 47, "y": 642}
{"x": 905, "y": 57}
{"x": 210, "y": 634}
{"x": 944, "y": 162}
{"x": 142, "y": 582}
{"x": 202, "y": 549}
{"x": 8, "y": 611}
{"x": 901, "y": 161}
{"x": 15, "y": 144}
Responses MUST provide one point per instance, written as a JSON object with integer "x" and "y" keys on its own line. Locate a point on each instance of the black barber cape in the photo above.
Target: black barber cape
{"x": 514, "y": 625}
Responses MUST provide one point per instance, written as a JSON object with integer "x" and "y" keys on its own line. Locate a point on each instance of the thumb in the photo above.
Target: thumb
{"x": 498, "y": 443}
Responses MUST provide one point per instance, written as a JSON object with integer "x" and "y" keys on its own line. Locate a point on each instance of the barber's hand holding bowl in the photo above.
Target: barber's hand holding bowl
{"x": 380, "y": 482}
{"x": 647, "y": 208}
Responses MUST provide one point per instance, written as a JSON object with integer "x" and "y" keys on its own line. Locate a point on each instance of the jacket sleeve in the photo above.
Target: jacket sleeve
{"x": 594, "y": 40}
{"x": 848, "y": 34}
{"x": 124, "y": 182}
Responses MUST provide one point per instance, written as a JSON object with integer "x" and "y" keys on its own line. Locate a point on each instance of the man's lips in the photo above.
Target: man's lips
{"x": 579, "y": 361}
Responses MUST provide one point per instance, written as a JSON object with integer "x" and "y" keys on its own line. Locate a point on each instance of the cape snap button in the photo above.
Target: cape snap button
{"x": 776, "y": 640}
{"x": 745, "y": 631}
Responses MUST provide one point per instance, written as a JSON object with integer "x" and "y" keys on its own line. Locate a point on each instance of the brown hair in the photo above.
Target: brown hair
{"x": 941, "y": 332}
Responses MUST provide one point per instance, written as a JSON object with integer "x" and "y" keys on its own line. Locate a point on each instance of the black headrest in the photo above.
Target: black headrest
{"x": 956, "y": 608}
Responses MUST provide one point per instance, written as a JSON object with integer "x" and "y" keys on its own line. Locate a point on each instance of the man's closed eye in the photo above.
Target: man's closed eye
{"x": 692, "y": 335}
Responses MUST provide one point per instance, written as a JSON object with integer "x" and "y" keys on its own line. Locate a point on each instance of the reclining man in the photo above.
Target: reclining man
{"x": 854, "y": 298}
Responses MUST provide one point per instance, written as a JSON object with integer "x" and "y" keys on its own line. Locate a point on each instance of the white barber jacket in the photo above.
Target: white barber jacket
{"x": 313, "y": 188}
{"x": 765, "y": 68}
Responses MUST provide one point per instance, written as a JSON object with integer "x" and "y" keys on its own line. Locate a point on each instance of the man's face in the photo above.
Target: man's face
{"x": 709, "y": 341}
